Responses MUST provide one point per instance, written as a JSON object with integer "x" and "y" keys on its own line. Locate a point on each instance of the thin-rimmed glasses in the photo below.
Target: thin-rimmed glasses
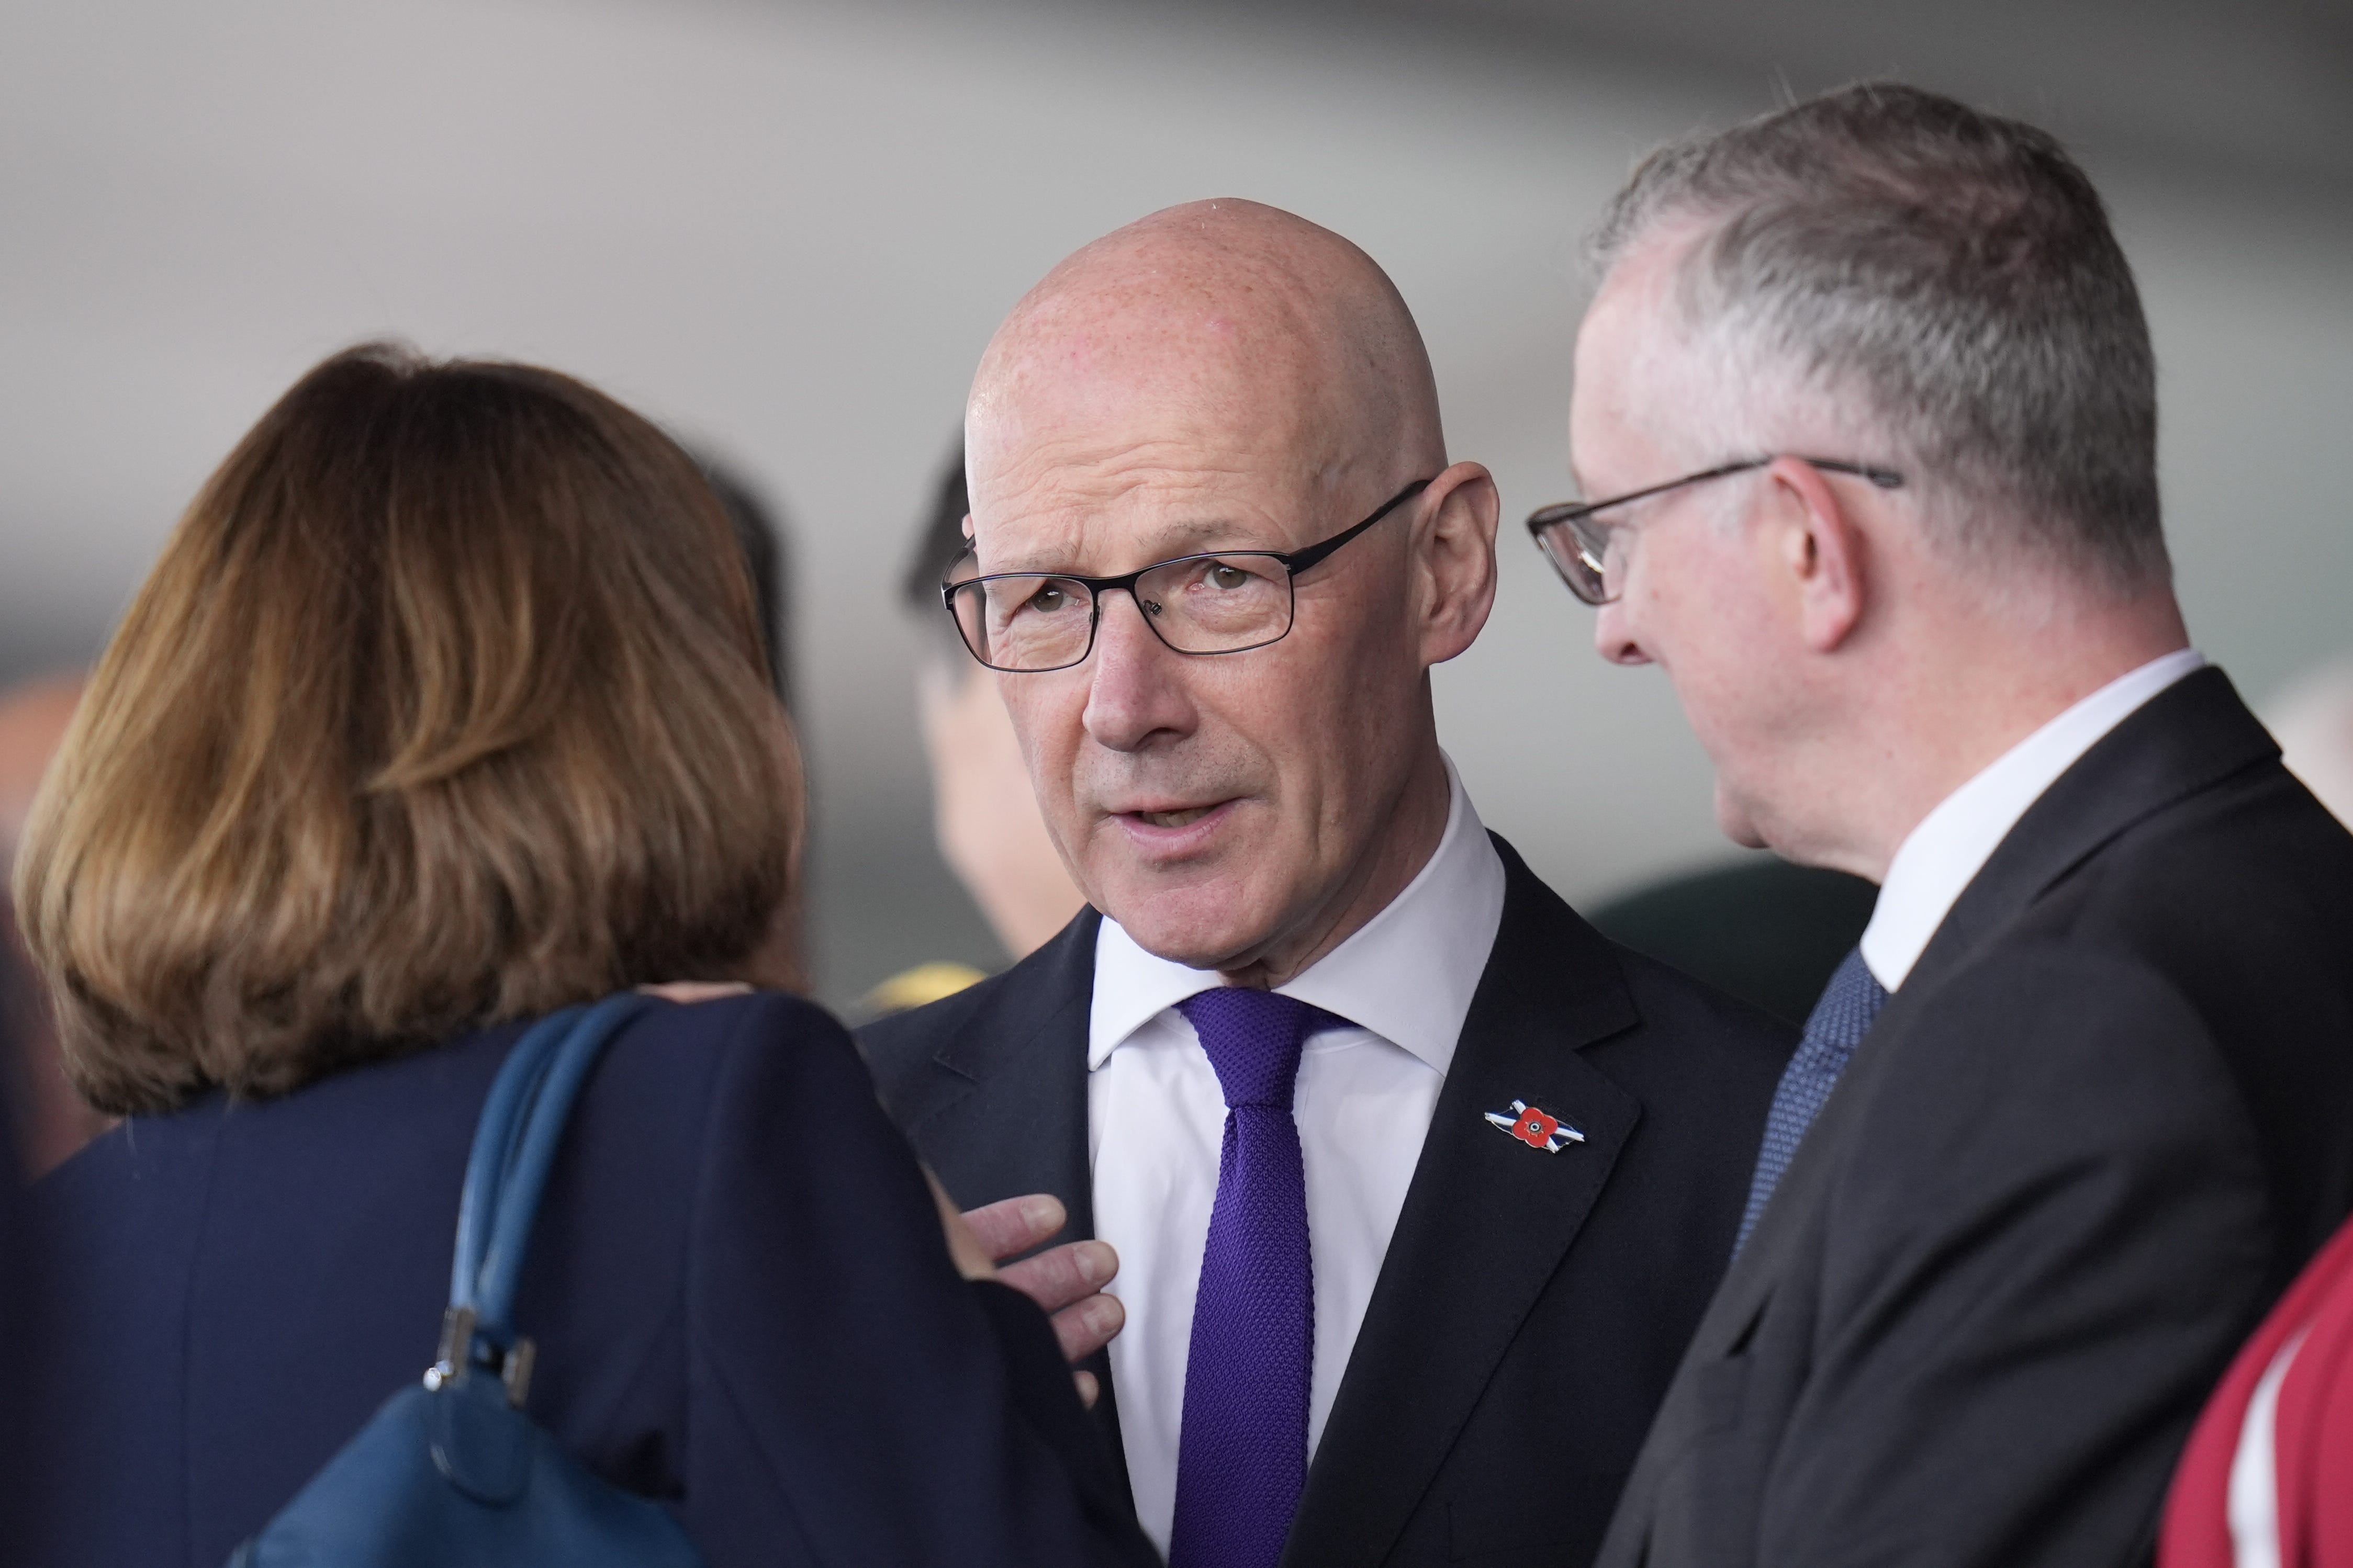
{"x": 1229, "y": 601}
{"x": 1586, "y": 556}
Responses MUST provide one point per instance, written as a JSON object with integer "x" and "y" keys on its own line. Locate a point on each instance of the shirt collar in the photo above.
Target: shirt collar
{"x": 1408, "y": 974}
{"x": 1939, "y": 858}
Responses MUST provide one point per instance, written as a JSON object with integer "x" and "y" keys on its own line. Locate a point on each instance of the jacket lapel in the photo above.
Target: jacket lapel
{"x": 1003, "y": 1110}
{"x": 1486, "y": 1222}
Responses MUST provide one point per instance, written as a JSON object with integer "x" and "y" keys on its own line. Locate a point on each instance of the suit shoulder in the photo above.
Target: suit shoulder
{"x": 754, "y": 1020}
{"x": 674, "y": 1071}
{"x": 2259, "y": 866}
{"x": 2042, "y": 1052}
{"x": 899, "y": 1044}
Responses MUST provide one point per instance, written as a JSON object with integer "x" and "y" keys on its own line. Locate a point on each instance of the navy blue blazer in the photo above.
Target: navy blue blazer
{"x": 737, "y": 1284}
{"x": 1531, "y": 1308}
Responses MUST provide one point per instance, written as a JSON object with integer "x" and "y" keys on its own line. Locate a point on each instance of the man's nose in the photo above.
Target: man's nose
{"x": 1614, "y": 637}
{"x": 1138, "y": 690}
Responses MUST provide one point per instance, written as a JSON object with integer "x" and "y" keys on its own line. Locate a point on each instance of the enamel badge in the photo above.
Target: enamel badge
{"x": 1536, "y": 1129}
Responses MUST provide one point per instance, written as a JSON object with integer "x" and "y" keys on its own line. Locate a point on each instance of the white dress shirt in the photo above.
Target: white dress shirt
{"x": 1155, "y": 1122}
{"x": 1941, "y": 856}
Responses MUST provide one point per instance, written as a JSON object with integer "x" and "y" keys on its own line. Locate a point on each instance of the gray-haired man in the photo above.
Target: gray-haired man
{"x": 1869, "y": 395}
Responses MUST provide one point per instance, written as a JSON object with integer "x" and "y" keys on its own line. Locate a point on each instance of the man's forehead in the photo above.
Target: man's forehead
{"x": 1123, "y": 380}
{"x": 1109, "y": 510}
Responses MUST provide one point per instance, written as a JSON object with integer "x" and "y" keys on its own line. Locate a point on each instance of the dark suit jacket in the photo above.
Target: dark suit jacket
{"x": 1531, "y": 1307}
{"x": 737, "y": 1286}
{"x": 2101, "y": 1124}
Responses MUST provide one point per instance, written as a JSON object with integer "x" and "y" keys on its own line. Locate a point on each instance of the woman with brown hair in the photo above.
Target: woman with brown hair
{"x": 444, "y": 709}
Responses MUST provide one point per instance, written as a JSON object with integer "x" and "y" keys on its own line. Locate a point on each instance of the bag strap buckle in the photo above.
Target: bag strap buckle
{"x": 460, "y": 1351}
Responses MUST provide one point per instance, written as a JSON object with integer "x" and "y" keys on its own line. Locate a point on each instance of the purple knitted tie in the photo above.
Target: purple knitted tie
{"x": 1242, "y": 1454}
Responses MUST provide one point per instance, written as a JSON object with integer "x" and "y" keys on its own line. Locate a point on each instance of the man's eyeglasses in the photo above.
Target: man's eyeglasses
{"x": 1586, "y": 556}
{"x": 1229, "y": 602}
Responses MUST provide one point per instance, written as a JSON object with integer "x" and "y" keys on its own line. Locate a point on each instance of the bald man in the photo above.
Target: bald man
{"x": 1416, "y": 1184}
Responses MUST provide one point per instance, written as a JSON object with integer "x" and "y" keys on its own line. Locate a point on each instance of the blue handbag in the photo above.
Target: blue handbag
{"x": 453, "y": 1474}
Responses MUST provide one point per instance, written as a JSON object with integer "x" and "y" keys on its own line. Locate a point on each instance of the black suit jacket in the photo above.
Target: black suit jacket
{"x": 737, "y": 1288}
{"x": 2101, "y": 1124}
{"x": 1532, "y": 1306}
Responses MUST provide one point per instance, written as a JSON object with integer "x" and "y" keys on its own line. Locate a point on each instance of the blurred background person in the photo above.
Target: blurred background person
{"x": 33, "y": 1135}
{"x": 42, "y": 1120}
{"x": 767, "y": 547}
{"x": 50, "y": 1120}
{"x": 984, "y": 813}
{"x": 20, "y": 1361}
{"x": 761, "y": 535}
{"x": 444, "y": 707}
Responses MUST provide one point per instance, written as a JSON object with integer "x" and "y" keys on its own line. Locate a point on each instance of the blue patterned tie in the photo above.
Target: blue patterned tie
{"x": 1840, "y": 1020}
{"x": 1241, "y": 1453}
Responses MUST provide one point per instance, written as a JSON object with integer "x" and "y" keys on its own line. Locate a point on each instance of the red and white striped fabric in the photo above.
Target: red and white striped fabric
{"x": 2268, "y": 1479}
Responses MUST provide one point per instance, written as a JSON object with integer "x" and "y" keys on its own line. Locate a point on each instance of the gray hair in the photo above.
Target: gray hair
{"x": 1955, "y": 272}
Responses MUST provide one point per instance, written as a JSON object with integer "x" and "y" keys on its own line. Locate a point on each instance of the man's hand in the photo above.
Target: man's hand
{"x": 1066, "y": 1281}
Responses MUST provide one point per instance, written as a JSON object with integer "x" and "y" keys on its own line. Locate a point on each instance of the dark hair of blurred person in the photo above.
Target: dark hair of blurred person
{"x": 984, "y": 813}
{"x": 444, "y": 707}
{"x": 764, "y": 545}
{"x": 767, "y": 558}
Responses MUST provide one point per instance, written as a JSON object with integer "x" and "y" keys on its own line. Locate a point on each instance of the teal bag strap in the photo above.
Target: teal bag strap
{"x": 514, "y": 1148}
{"x": 455, "y": 1474}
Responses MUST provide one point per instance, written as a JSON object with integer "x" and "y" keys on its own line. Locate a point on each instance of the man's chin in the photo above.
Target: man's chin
{"x": 1736, "y": 822}
{"x": 1201, "y": 924}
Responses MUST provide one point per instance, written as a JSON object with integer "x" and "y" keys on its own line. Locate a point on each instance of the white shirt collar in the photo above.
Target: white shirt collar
{"x": 1941, "y": 856}
{"x": 1408, "y": 974}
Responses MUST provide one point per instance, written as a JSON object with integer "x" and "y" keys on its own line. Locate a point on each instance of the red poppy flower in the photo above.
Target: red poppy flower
{"x": 1535, "y": 1128}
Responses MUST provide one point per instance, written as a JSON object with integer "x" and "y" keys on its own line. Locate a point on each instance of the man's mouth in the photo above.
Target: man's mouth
{"x": 1185, "y": 818}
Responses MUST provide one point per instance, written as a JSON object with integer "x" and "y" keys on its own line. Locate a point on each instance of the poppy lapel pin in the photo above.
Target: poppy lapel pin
{"x": 1535, "y": 1128}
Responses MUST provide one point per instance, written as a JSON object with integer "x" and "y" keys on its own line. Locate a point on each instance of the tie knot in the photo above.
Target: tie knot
{"x": 1253, "y": 1039}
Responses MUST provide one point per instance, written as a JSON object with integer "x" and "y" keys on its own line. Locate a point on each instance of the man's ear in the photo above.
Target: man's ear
{"x": 1819, "y": 555}
{"x": 1455, "y": 560}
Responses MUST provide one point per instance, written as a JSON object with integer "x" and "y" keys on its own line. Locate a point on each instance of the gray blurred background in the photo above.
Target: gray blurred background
{"x": 786, "y": 229}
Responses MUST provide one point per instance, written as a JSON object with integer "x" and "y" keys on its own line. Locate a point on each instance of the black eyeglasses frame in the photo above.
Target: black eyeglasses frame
{"x": 1293, "y": 563}
{"x": 1591, "y": 547}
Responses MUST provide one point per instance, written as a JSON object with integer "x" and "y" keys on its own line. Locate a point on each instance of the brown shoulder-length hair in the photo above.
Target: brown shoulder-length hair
{"x": 444, "y": 704}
